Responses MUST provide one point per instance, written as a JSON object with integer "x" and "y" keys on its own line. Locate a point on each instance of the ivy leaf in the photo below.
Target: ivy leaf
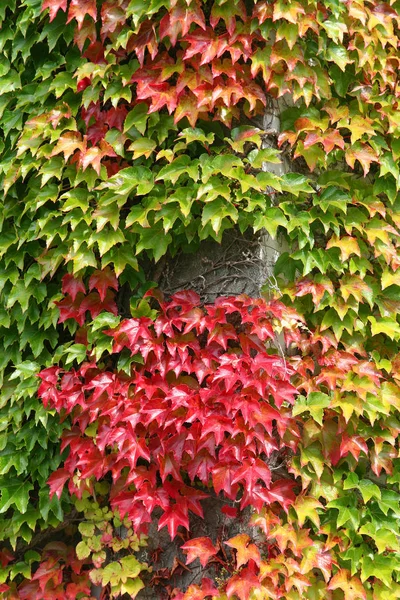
{"x": 201, "y": 548}
{"x": 112, "y": 573}
{"x": 67, "y": 144}
{"x": 216, "y": 211}
{"x": 347, "y": 244}
{"x": 338, "y": 55}
{"x": 378, "y": 566}
{"x": 385, "y": 325}
{"x": 350, "y": 586}
{"x": 54, "y": 6}
{"x": 244, "y": 550}
{"x": 142, "y": 147}
{"x": 296, "y": 184}
{"x": 175, "y": 516}
{"x": 305, "y": 507}
{"x": 79, "y": 8}
{"x": 102, "y": 281}
{"x": 137, "y": 117}
{"x": 314, "y": 403}
{"x": 73, "y": 286}
{"x": 364, "y": 154}
{"x": 175, "y": 169}
{"x": 270, "y": 220}
{"x": 155, "y": 240}
{"x": 242, "y": 584}
{"x": 82, "y": 550}
{"x": 132, "y": 587}
{"x": 15, "y": 493}
{"x": 389, "y": 278}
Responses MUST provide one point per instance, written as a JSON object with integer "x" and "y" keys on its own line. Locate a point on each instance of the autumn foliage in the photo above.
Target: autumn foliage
{"x": 132, "y": 131}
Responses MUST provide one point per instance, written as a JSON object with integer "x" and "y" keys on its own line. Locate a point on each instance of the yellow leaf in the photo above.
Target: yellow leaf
{"x": 347, "y": 244}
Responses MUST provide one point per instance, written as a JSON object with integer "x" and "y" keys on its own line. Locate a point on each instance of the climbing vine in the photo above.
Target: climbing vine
{"x": 132, "y": 131}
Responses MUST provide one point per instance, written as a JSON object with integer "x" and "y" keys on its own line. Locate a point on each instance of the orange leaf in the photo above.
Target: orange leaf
{"x": 244, "y": 550}
{"x": 351, "y": 586}
{"x": 242, "y": 584}
{"x": 364, "y": 154}
{"x": 67, "y": 144}
{"x": 347, "y": 244}
{"x": 201, "y": 548}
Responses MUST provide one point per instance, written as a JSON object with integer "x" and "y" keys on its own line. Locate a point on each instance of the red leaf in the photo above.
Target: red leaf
{"x": 207, "y": 44}
{"x": 71, "y": 309}
{"x": 201, "y": 548}
{"x": 145, "y": 38}
{"x": 112, "y": 17}
{"x": 5, "y": 557}
{"x": 102, "y": 280}
{"x": 222, "y": 477}
{"x": 93, "y": 156}
{"x": 79, "y": 8}
{"x": 229, "y": 511}
{"x": 87, "y": 32}
{"x": 54, "y": 6}
{"x": 250, "y": 472}
{"x": 95, "y": 53}
{"x": 176, "y": 515}
{"x": 281, "y": 491}
{"x": 354, "y": 444}
{"x": 93, "y": 304}
{"x": 179, "y": 19}
{"x": 72, "y": 285}
{"x": 187, "y": 106}
{"x": 57, "y": 480}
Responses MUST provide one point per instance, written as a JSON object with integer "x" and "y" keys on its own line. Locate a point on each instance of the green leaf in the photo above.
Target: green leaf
{"x": 126, "y": 180}
{"x": 378, "y": 566}
{"x": 215, "y": 211}
{"x": 132, "y": 587}
{"x": 295, "y": 184}
{"x": 15, "y": 493}
{"x": 112, "y": 573}
{"x": 314, "y": 403}
{"x": 131, "y": 567}
{"x": 270, "y": 220}
{"x": 338, "y": 55}
{"x": 76, "y": 352}
{"x": 142, "y": 147}
{"x": 175, "y": 169}
{"x": 137, "y": 117}
{"x": 385, "y": 325}
{"x": 347, "y": 511}
{"x": 155, "y": 240}
{"x": 120, "y": 256}
{"x": 257, "y": 158}
{"x": 107, "y": 238}
{"x": 82, "y": 550}
{"x": 369, "y": 490}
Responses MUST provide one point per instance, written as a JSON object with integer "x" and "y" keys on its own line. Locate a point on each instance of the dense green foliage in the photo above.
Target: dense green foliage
{"x": 132, "y": 130}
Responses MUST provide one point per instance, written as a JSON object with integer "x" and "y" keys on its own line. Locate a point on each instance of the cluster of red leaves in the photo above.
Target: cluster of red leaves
{"x": 76, "y": 303}
{"x": 59, "y": 575}
{"x": 209, "y": 405}
{"x": 193, "y": 65}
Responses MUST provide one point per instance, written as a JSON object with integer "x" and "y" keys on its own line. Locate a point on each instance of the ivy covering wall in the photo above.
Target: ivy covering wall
{"x": 133, "y": 130}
